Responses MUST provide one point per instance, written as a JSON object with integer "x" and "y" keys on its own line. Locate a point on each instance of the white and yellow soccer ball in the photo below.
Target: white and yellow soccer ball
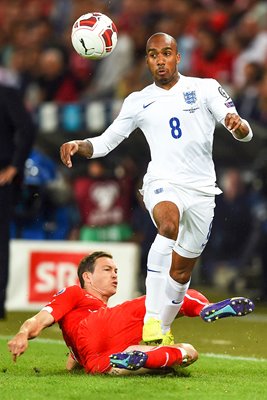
{"x": 94, "y": 35}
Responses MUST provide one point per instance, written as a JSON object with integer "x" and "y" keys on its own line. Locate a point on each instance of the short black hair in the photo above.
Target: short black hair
{"x": 87, "y": 264}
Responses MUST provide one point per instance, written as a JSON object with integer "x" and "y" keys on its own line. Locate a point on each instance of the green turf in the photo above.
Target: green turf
{"x": 232, "y": 365}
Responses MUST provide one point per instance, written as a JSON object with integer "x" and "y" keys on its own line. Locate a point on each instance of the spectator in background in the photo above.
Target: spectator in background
{"x": 111, "y": 69}
{"x": 246, "y": 97}
{"x": 256, "y": 250}
{"x": 17, "y": 137}
{"x": 259, "y": 111}
{"x": 55, "y": 82}
{"x": 251, "y": 99}
{"x": 82, "y": 70}
{"x": 252, "y": 43}
{"x": 46, "y": 208}
{"x": 23, "y": 63}
{"x": 104, "y": 202}
{"x": 211, "y": 59}
{"x": 231, "y": 228}
{"x": 22, "y": 53}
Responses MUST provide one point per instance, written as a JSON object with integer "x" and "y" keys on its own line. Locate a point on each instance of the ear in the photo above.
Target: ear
{"x": 87, "y": 277}
{"x": 178, "y": 58}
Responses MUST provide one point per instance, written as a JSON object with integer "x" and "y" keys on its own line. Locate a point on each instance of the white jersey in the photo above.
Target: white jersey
{"x": 178, "y": 125}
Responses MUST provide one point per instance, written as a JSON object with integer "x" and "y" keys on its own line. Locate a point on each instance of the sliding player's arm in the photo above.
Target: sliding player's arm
{"x": 30, "y": 329}
{"x": 72, "y": 364}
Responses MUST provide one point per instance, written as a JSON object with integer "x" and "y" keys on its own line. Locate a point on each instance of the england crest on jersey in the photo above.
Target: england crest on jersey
{"x": 190, "y": 97}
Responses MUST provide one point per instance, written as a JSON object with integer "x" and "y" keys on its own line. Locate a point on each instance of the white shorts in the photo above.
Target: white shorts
{"x": 196, "y": 214}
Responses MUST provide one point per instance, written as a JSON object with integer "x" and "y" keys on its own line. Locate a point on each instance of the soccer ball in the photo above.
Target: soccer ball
{"x": 94, "y": 35}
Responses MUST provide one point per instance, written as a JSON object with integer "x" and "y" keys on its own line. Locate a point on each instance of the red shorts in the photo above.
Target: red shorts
{"x": 109, "y": 331}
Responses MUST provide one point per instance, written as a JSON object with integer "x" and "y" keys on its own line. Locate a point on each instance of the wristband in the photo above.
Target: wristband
{"x": 249, "y": 135}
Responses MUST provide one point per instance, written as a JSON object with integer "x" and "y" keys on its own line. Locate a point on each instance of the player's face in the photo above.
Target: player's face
{"x": 162, "y": 59}
{"x": 105, "y": 276}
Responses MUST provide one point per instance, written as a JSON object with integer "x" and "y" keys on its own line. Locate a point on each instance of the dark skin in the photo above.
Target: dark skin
{"x": 162, "y": 59}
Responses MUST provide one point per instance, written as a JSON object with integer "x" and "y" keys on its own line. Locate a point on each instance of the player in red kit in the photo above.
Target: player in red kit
{"x": 106, "y": 339}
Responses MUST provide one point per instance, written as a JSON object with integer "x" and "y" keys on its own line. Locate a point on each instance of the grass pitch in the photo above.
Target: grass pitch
{"x": 232, "y": 365}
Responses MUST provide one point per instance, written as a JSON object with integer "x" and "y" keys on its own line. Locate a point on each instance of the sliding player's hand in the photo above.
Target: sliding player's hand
{"x": 18, "y": 345}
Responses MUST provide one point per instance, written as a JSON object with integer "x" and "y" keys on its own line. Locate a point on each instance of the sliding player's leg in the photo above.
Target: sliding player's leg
{"x": 159, "y": 357}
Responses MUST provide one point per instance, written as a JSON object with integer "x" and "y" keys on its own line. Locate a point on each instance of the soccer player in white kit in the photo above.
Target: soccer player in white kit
{"x": 177, "y": 115}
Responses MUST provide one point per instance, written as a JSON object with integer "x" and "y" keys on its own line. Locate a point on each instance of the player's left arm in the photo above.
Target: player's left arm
{"x": 30, "y": 329}
{"x": 222, "y": 107}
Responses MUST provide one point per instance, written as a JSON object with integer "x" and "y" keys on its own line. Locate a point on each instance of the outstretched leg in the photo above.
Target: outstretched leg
{"x": 234, "y": 307}
{"x": 195, "y": 304}
{"x": 160, "y": 357}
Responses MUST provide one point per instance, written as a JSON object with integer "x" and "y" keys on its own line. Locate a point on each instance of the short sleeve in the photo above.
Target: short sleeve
{"x": 219, "y": 102}
{"x": 64, "y": 301}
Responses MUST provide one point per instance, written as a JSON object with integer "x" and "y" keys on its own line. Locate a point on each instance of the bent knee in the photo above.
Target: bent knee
{"x": 191, "y": 351}
{"x": 168, "y": 229}
{"x": 180, "y": 276}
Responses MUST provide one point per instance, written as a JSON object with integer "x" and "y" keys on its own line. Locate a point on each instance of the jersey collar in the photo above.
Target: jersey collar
{"x": 173, "y": 89}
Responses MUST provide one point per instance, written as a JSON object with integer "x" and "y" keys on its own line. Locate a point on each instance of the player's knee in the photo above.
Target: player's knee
{"x": 168, "y": 229}
{"x": 182, "y": 276}
{"x": 191, "y": 351}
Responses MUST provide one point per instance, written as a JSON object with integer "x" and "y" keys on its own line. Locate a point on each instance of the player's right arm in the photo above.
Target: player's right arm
{"x": 30, "y": 329}
{"x": 81, "y": 147}
{"x": 100, "y": 146}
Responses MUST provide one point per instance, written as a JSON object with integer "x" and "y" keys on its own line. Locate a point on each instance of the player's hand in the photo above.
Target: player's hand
{"x": 233, "y": 122}
{"x": 18, "y": 345}
{"x": 7, "y": 175}
{"x": 67, "y": 150}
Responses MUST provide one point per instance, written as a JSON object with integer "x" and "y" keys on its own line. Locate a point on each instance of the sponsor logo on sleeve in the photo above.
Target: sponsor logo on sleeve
{"x": 229, "y": 104}
{"x": 223, "y": 93}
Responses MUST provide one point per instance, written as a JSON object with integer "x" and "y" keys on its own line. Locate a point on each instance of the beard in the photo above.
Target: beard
{"x": 166, "y": 80}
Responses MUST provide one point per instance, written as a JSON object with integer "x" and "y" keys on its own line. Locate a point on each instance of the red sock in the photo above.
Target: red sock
{"x": 163, "y": 356}
{"x": 193, "y": 303}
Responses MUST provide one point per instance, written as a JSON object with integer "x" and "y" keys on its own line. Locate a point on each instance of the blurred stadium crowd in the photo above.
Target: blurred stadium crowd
{"x": 69, "y": 96}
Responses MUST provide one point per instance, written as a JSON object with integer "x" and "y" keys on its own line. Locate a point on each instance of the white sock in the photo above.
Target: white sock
{"x": 175, "y": 292}
{"x": 158, "y": 266}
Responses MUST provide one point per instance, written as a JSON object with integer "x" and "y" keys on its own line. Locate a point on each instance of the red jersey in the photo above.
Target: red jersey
{"x": 92, "y": 330}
